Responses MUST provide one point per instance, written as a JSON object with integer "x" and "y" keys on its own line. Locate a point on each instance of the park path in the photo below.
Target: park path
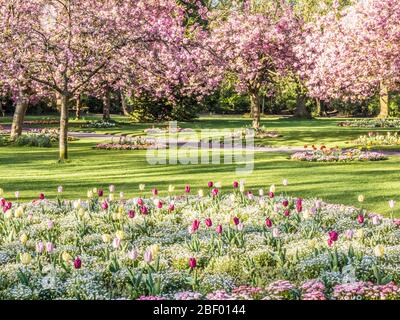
{"x": 271, "y": 149}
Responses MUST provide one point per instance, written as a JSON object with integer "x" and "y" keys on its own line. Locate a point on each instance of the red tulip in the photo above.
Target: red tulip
{"x": 41, "y": 196}
{"x": 208, "y": 222}
{"x": 235, "y": 184}
{"x": 236, "y": 221}
{"x": 77, "y": 263}
{"x": 285, "y": 203}
{"x": 100, "y": 192}
{"x": 2, "y": 202}
{"x": 131, "y": 214}
{"x": 215, "y": 192}
{"x": 268, "y": 223}
{"x": 271, "y": 195}
{"x": 144, "y": 210}
{"x": 210, "y": 184}
{"x": 330, "y": 242}
{"x": 333, "y": 235}
{"x": 286, "y": 213}
{"x": 159, "y": 204}
{"x": 196, "y": 225}
{"x": 360, "y": 219}
{"x": 192, "y": 263}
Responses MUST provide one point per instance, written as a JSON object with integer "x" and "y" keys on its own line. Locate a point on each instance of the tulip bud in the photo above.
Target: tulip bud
{"x": 192, "y": 263}
{"x": 131, "y": 214}
{"x": 77, "y": 263}
{"x": 39, "y": 247}
{"x": 25, "y": 258}
{"x": 268, "y": 223}
{"x": 208, "y": 222}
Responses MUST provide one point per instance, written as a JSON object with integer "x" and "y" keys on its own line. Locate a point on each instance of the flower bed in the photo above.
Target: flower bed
{"x": 168, "y": 130}
{"x": 128, "y": 143}
{"x": 41, "y": 122}
{"x": 371, "y": 123}
{"x": 100, "y": 124}
{"x": 375, "y": 139}
{"x": 324, "y": 154}
{"x": 213, "y": 245}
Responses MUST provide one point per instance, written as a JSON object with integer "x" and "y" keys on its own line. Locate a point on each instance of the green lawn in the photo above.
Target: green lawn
{"x": 33, "y": 170}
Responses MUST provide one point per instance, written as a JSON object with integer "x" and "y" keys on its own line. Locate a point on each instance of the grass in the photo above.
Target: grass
{"x": 35, "y": 170}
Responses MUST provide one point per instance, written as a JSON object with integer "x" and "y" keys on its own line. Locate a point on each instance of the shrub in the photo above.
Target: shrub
{"x": 34, "y": 140}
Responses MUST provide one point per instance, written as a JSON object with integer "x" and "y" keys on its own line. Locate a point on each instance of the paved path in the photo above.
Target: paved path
{"x": 179, "y": 143}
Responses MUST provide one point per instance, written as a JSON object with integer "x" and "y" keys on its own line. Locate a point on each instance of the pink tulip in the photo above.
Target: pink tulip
{"x": 148, "y": 256}
{"x": 2, "y": 202}
{"x": 192, "y": 263}
{"x": 77, "y": 263}
{"x": 195, "y": 225}
{"x": 219, "y": 229}
{"x": 235, "y": 184}
{"x": 171, "y": 207}
{"x": 39, "y": 247}
{"x": 155, "y": 192}
{"x": 208, "y": 223}
{"x": 131, "y": 214}
{"x": 49, "y": 247}
{"x": 215, "y": 192}
{"x": 268, "y": 223}
{"x": 187, "y": 189}
{"x": 159, "y": 204}
{"x": 116, "y": 243}
{"x": 104, "y": 205}
{"x": 271, "y": 195}
{"x": 210, "y": 184}
{"x": 286, "y": 213}
{"x": 144, "y": 210}
{"x": 140, "y": 202}
{"x": 333, "y": 235}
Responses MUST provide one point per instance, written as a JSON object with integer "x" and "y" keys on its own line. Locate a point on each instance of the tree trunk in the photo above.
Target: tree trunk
{"x": 3, "y": 113}
{"x": 124, "y": 105}
{"x": 19, "y": 116}
{"x": 78, "y": 107}
{"x": 64, "y": 100}
{"x": 384, "y": 101}
{"x": 301, "y": 109}
{"x": 106, "y": 105}
{"x": 255, "y": 110}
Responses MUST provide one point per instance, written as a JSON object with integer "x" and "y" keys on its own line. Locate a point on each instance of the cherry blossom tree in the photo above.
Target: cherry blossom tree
{"x": 354, "y": 53}
{"x": 60, "y": 46}
{"x": 255, "y": 48}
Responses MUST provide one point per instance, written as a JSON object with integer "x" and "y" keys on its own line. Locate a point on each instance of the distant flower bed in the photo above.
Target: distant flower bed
{"x": 167, "y": 130}
{"x": 376, "y": 139}
{"x": 101, "y": 124}
{"x": 324, "y": 154}
{"x": 128, "y": 143}
{"x": 42, "y": 138}
{"x": 371, "y": 123}
{"x": 41, "y": 122}
{"x": 211, "y": 245}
